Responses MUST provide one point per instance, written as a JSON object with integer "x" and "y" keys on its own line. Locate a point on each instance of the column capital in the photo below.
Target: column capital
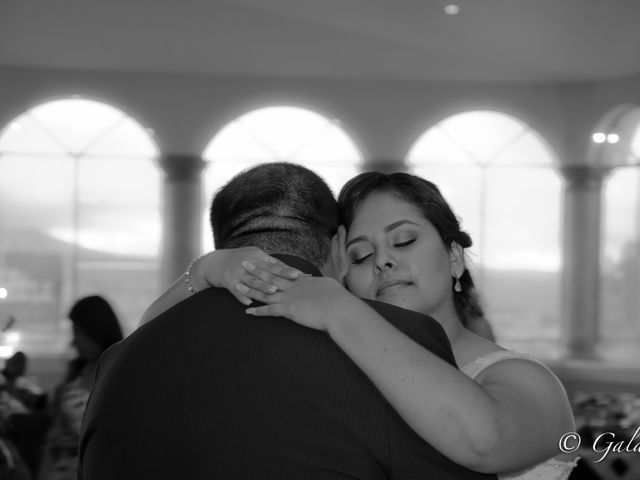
{"x": 384, "y": 165}
{"x": 181, "y": 167}
{"x": 584, "y": 176}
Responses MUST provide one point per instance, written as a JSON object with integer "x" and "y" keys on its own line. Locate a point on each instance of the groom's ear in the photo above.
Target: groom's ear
{"x": 339, "y": 253}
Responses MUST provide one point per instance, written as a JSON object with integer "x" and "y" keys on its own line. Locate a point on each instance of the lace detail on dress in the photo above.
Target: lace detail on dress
{"x": 551, "y": 469}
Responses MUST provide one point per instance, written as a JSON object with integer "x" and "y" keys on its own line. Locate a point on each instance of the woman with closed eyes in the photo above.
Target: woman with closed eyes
{"x": 502, "y": 412}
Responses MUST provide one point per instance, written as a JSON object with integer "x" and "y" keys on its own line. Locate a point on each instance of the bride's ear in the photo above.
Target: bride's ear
{"x": 456, "y": 259}
{"x": 339, "y": 252}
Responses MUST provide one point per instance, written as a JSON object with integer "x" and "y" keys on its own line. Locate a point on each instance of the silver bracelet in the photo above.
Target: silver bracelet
{"x": 187, "y": 276}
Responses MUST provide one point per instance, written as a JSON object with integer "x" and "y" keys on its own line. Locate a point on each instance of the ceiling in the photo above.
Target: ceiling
{"x": 489, "y": 40}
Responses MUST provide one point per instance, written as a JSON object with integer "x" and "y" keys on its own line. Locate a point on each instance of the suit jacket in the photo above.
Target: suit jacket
{"x": 205, "y": 391}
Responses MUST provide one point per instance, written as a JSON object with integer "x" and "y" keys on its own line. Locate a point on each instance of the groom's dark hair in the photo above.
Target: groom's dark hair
{"x": 279, "y": 207}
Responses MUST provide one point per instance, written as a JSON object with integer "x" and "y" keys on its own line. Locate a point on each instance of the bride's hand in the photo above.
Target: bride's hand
{"x": 307, "y": 301}
{"x": 246, "y": 272}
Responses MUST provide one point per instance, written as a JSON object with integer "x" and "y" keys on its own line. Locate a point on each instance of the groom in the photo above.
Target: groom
{"x": 205, "y": 391}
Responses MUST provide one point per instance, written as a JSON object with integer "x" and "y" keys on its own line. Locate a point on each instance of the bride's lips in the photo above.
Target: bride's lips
{"x": 388, "y": 284}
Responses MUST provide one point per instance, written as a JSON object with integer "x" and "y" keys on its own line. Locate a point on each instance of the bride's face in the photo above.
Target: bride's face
{"x": 397, "y": 256}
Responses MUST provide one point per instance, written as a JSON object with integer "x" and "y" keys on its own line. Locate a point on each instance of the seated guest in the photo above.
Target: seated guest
{"x": 12, "y": 465}
{"x": 19, "y": 387}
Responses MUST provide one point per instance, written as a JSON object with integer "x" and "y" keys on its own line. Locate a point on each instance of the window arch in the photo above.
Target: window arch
{"x": 280, "y": 133}
{"x": 79, "y": 214}
{"x": 498, "y": 175}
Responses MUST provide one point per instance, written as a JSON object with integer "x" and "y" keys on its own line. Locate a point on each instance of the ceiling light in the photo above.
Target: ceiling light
{"x": 451, "y": 9}
{"x": 613, "y": 138}
{"x": 599, "y": 137}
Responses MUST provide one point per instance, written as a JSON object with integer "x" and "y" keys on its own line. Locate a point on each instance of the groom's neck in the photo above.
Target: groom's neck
{"x": 329, "y": 269}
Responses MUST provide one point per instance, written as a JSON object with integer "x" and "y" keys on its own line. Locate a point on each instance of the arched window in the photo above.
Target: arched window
{"x": 79, "y": 215}
{"x": 620, "y": 281}
{"x": 497, "y": 174}
{"x": 287, "y": 134}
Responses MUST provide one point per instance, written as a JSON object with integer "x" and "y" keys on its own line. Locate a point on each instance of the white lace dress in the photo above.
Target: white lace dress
{"x": 551, "y": 469}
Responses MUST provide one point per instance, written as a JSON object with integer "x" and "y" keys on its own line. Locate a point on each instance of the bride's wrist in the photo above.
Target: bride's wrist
{"x": 209, "y": 270}
{"x": 196, "y": 275}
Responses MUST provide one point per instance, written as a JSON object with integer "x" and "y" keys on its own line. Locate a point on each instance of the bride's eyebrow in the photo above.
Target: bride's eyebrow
{"x": 361, "y": 238}
{"x": 394, "y": 225}
{"x": 387, "y": 229}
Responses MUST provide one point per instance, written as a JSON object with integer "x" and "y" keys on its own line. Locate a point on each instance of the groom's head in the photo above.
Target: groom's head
{"x": 279, "y": 207}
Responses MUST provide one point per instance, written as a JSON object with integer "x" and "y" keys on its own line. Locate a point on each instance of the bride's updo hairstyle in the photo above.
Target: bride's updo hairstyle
{"x": 426, "y": 197}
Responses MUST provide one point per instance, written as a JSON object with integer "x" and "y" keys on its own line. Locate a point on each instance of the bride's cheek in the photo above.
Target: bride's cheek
{"x": 349, "y": 283}
{"x": 356, "y": 284}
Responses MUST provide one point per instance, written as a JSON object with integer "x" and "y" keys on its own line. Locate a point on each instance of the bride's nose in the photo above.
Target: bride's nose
{"x": 384, "y": 262}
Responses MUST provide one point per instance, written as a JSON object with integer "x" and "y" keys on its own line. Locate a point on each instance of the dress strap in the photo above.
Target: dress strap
{"x": 474, "y": 367}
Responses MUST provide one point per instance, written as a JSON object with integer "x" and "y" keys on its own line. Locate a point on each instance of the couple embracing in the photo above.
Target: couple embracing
{"x": 323, "y": 340}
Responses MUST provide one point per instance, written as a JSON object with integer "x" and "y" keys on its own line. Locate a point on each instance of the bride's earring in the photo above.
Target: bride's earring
{"x": 458, "y": 286}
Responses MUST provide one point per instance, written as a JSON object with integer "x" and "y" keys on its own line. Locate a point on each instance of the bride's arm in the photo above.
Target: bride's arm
{"x": 226, "y": 268}
{"x": 511, "y": 419}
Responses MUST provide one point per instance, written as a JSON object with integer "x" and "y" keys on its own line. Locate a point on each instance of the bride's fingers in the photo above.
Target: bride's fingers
{"x": 256, "y": 283}
{"x": 258, "y": 295}
{"x": 283, "y": 270}
{"x": 243, "y": 299}
{"x": 274, "y": 310}
{"x": 265, "y": 282}
{"x": 266, "y": 270}
{"x": 250, "y": 293}
{"x": 342, "y": 238}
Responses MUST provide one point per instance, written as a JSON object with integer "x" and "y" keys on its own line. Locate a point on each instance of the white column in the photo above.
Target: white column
{"x": 581, "y": 254}
{"x": 181, "y": 214}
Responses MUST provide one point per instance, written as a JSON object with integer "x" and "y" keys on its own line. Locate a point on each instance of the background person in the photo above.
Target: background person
{"x": 95, "y": 328}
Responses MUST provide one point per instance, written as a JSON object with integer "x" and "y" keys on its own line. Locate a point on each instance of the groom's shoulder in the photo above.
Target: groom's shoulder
{"x": 197, "y": 313}
{"x": 206, "y": 302}
{"x": 401, "y": 317}
{"x": 420, "y": 327}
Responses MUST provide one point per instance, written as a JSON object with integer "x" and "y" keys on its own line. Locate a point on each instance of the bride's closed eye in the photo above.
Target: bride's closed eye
{"x": 359, "y": 260}
{"x": 405, "y": 243}
{"x": 357, "y": 257}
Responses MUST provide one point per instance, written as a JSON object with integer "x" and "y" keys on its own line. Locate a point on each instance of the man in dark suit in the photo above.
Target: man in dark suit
{"x": 205, "y": 391}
